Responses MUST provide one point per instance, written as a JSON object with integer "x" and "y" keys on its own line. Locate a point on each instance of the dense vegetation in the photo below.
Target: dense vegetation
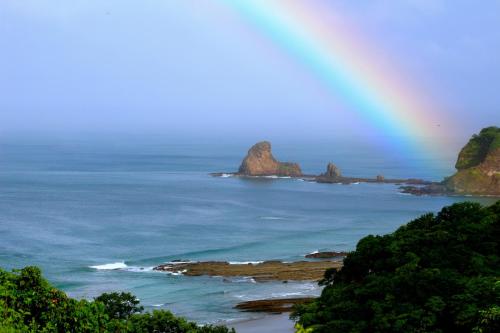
{"x": 478, "y": 147}
{"x": 28, "y": 303}
{"x": 438, "y": 273}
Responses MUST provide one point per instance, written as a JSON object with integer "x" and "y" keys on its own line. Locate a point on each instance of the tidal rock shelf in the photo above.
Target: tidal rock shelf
{"x": 259, "y": 272}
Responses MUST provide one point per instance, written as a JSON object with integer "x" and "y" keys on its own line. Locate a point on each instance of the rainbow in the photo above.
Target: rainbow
{"x": 342, "y": 59}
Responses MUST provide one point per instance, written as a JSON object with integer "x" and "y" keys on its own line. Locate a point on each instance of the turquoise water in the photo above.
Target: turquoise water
{"x": 76, "y": 208}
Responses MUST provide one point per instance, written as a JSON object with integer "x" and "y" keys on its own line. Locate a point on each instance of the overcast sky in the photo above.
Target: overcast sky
{"x": 191, "y": 67}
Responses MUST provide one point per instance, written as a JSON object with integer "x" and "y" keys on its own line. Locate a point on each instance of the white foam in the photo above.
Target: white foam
{"x": 244, "y": 279}
{"x": 226, "y": 175}
{"x": 112, "y": 266}
{"x": 314, "y": 252}
{"x": 177, "y": 273}
{"x": 276, "y": 177}
{"x": 245, "y": 262}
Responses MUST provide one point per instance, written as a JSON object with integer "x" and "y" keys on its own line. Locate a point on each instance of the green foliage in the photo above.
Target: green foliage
{"x": 489, "y": 320}
{"x": 478, "y": 147}
{"x": 435, "y": 274}
{"x": 120, "y": 305}
{"x": 28, "y": 303}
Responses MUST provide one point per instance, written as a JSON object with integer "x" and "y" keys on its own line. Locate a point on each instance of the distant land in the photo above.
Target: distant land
{"x": 478, "y": 169}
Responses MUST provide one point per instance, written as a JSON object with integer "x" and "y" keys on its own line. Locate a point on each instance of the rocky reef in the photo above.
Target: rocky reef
{"x": 478, "y": 165}
{"x": 261, "y": 162}
{"x": 260, "y": 272}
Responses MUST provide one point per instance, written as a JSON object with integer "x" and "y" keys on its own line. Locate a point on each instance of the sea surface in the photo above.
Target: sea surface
{"x": 97, "y": 215}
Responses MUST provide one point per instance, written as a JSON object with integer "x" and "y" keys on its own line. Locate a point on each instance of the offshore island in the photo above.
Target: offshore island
{"x": 478, "y": 170}
{"x": 260, "y": 162}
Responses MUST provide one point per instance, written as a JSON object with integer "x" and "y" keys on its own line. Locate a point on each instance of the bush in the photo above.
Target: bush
{"x": 435, "y": 274}
{"x": 120, "y": 305}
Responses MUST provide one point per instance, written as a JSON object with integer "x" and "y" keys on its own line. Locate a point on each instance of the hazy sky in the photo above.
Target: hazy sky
{"x": 194, "y": 67}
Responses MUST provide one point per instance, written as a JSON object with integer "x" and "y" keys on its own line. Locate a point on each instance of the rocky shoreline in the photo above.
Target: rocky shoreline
{"x": 259, "y": 272}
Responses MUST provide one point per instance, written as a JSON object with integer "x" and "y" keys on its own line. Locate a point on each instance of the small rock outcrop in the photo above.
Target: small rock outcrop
{"x": 478, "y": 165}
{"x": 273, "y": 305}
{"x": 261, "y": 162}
{"x": 332, "y": 171}
{"x": 326, "y": 255}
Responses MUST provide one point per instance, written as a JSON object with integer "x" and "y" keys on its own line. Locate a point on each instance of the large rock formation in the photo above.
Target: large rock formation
{"x": 332, "y": 171}
{"x": 478, "y": 165}
{"x": 261, "y": 162}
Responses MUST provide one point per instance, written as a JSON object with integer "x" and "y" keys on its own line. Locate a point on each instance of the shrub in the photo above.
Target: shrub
{"x": 28, "y": 303}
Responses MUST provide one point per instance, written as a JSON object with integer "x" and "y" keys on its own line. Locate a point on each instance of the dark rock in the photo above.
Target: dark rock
{"x": 325, "y": 255}
{"x": 432, "y": 189}
{"x": 277, "y": 305}
{"x": 332, "y": 171}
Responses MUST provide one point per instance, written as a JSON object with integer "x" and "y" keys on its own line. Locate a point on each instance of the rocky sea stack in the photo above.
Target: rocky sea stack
{"x": 261, "y": 162}
{"x": 478, "y": 165}
{"x": 332, "y": 171}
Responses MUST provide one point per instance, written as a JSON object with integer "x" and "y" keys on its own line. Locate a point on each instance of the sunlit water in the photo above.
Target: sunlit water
{"x": 79, "y": 209}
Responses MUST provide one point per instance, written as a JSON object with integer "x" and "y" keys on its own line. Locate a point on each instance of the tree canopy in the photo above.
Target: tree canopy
{"x": 438, "y": 273}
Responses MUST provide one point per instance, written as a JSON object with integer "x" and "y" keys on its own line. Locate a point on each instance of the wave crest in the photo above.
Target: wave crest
{"x": 112, "y": 266}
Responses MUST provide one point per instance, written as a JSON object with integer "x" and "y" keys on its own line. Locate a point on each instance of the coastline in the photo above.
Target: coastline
{"x": 271, "y": 323}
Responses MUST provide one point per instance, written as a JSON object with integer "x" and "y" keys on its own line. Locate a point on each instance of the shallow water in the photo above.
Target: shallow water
{"x": 97, "y": 216}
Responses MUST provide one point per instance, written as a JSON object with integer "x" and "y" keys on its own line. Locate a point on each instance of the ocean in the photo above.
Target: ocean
{"x": 97, "y": 215}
